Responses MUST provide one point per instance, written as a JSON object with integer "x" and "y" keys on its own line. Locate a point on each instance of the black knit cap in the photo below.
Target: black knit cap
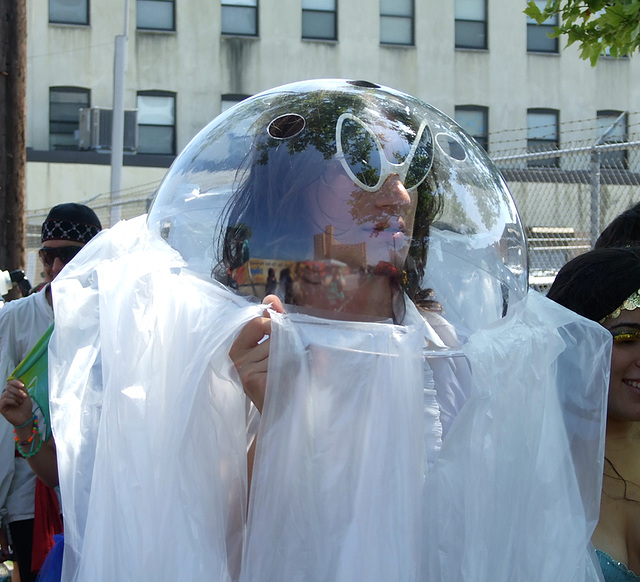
{"x": 72, "y": 222}
{"x": 596, "y": 283}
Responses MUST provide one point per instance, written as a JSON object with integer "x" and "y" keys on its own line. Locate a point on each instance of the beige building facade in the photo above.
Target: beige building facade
{"x": 479, "y": 61}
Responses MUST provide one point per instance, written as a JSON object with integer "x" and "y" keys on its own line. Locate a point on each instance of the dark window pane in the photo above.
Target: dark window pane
{"x": 317, "y": 24}
{"x": 155, "y": 14}
{"x": 155, "y": 139}
{"x": 538, "y": 41}
{"x": 538, "y": 145}
{"x": 471, "y": 34}
{"x": 239, "y": 20}
{"x": 616, "y": 160}
{"x": 64, "y": 111}
{"x": 62, "y": 127}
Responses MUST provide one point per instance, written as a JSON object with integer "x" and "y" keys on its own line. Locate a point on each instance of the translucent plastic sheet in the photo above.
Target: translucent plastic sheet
{"x": 150, "y": 424}
{"x": 149, "y": 428}
{"x": 340, "y": 458}
{"x": 515, "y": 493}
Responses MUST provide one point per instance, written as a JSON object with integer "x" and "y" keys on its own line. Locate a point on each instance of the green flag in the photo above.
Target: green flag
{"x": 34, "y": 372}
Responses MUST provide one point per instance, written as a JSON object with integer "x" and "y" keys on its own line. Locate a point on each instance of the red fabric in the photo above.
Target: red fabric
{"x": 46, "y": 523}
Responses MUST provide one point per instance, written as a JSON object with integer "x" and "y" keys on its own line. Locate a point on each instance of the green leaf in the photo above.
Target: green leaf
{"x": 595, "y": 24}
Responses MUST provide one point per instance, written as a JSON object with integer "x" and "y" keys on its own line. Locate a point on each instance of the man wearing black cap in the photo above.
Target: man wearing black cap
{"x": 67, "y": 228}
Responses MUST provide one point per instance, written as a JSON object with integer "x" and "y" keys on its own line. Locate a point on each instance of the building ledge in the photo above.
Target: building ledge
{"x": 98, "y": 159}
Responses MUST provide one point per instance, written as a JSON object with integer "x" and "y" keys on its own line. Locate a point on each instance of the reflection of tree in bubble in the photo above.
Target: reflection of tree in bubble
{"x": 422, "y": 160}
{"x": 360, "y": 152}
{"x": 321, "y": 111}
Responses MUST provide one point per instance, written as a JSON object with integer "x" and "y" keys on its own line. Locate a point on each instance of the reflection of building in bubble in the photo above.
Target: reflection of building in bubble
{"x": 326, "y": 247}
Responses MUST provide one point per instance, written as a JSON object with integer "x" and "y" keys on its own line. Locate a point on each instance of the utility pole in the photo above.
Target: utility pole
{"x": 117, "y": 128}
{"x": 13, "y": 151}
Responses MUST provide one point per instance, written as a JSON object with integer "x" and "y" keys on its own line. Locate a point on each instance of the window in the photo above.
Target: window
{"x": 155, "y": 14}
{"x": 474, "y": 119}
{"x": 230, "y": 99}
{"x": 471, "y": 24}
{"x": 542, "y": 135}
{"x": 537, "y": 34}
{"x": 64, "y": 110}
{"x": 240, "y": 17}
{"x": 319, "y": 19}
{"x": 69, "y": 11}
{"x": 156, "y": 122}
{"x": 396, "y": 21}
{"x": 615, "y": 123}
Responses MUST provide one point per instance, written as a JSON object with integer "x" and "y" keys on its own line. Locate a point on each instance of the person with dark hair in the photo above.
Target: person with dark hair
{"x": 623, "y": 231}
{"x": 325, "y": 183}
{"x": 604, "y": 285}
{"x": 66, "y": 230}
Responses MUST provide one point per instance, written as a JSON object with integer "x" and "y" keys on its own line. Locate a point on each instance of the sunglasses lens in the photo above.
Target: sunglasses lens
{"x": 65, "y": 254}
{"x": 68, "y": 253}
{"x": 421, "y": 161}
{"x": 360, "y": 153}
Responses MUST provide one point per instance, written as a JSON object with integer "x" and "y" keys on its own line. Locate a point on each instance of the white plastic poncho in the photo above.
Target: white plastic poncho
{"x": 150, "y": 425}
{"x": 149, "y": 428}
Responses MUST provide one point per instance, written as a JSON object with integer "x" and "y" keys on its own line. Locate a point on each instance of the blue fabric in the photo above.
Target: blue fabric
{"x": 51, "y": 570}
{"x": 613, "y": 570}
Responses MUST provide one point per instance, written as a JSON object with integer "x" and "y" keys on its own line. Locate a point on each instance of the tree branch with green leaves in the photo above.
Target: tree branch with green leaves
{"x": 609, "y": 27}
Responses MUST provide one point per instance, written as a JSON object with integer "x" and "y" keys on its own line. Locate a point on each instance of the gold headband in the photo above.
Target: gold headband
{"x": 633, "y": 302}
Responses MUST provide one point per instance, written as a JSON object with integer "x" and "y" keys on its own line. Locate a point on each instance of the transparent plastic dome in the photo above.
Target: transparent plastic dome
{"x": 346, "y": 199}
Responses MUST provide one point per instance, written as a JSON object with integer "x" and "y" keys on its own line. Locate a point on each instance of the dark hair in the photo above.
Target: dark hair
{"x": 624, "y": 230}
{"x": 597, "y": 282}
{"x": 269, "y": 199}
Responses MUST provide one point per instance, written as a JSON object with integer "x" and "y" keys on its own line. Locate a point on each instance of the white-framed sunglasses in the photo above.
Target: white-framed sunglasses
{"x": 363, "y": 159}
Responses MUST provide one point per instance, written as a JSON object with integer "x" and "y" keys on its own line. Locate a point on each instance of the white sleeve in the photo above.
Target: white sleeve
{"x": 7, "y": 365}
{"x": 7, "y": 465}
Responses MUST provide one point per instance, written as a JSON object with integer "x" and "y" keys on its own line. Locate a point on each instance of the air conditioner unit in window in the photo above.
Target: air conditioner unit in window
{"x": 95, "y": 129}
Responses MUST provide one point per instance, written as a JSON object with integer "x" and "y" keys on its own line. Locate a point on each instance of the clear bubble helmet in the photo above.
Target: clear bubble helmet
{"x": 347, "y": 199}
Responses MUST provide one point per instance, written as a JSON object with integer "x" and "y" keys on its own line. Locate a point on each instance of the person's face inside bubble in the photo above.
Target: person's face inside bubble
{"x": 382, "y": 220}
{"x": 347, "y": 199}
{"x": 368, "y": 193}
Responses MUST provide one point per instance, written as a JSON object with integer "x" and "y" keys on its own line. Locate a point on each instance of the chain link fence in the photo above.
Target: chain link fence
{"x": 565, "y": 198}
